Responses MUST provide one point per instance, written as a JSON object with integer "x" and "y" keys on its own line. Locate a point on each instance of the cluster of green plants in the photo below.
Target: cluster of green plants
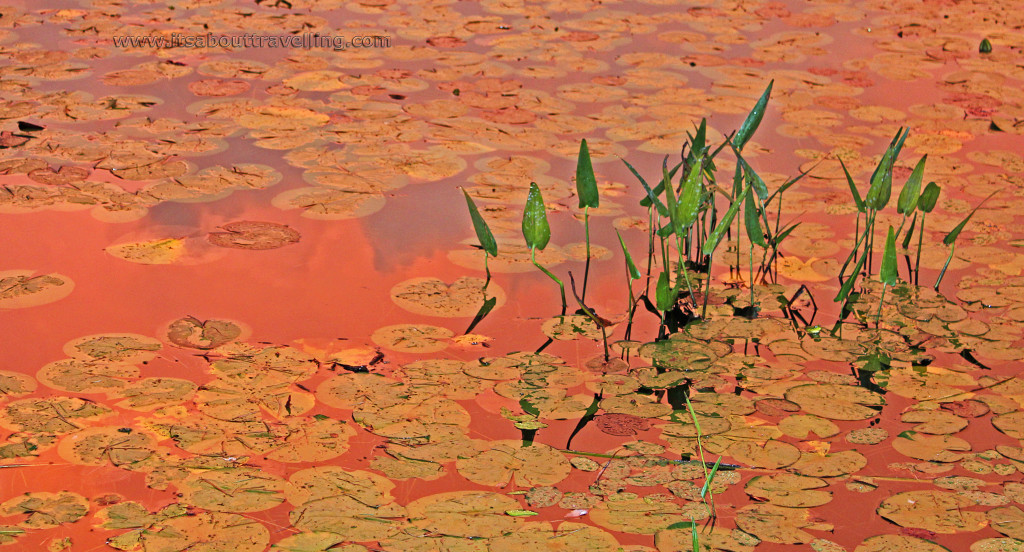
{"x": 691, "y": 213}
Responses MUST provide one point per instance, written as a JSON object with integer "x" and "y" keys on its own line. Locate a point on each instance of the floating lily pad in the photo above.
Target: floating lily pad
{"x": 207, "y": 532}
{"x": 413, "y": 338}
{"x": 46, "y": 510}
{"x": 938, "y": 511}
{"x": 466, "y": 514}
{"x": 538, "y": 464}
{"x": 117, "y": 347}
{"x": 433, "y": 297}
{"x": 776, "y": 524}
{"x": 232, "y": 490}
{"x": 25, "y": 288}
{"x": 247, "y": 234}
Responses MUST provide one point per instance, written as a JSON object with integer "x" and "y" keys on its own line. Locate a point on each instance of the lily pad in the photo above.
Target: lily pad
{"x": 247, "y": 234}
{"x": 434, "y": 297}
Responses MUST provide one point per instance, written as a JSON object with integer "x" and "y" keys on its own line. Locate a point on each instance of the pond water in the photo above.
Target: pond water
{"x": 238, "y": 286}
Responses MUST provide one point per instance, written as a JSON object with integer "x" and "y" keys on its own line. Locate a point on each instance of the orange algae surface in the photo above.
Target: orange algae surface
{"x": 237, "y": 284}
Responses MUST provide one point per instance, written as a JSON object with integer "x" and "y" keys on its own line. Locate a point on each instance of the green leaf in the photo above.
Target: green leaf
{"x": 929, "y": 197}
{"x": 690, "y": 196}
{"x": 881, "y": 179}
{"x": 586, "y": 183}
{"x": 535, "y": 220}
{"x": 753, "y": 119}
{"x": 483, "y": 232}
{"x": 955, "y": 232}
{"x": 888, "y": 273}
{"x": 844, "y": 291}
{"x": 681, "y": 525}
{"x": 910, "y": 231}
{"x": 751, "y": 175}
{"x": 634, "y": 274}
{"x": 853, "y": 188}
{"x": 670, "y": 201}
{"x": 520, "y": 513}
{"x": 752, "y": 222}
{"x": 985, "y": 47}
{"x": 711, "y": 477}
{"x": 910, "y": 194}
{"x": 528, "y": 407}
{"x": 664, "y": 294}
{"x": 783, "y": 234}
{"x": 907, "y": 434}
{"x": 698, "y": 142}
{"x": 715, "y": 237}
{"x": 652, "y": 195}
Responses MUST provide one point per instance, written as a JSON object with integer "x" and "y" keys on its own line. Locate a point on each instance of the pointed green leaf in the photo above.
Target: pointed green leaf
{"x": 887, "y": 273}
{"x": 955, "y": 232}
{"x": 785, "y": 233}
{"x": 752, "y": 222}
{"x": 634, "y": 274}
{"x": 520, "y": 513}
{"x": 665, "y": 295}
{"x": 844, "y": 291}
{"x": 929, "y": 197}
{"x": 853, "y": 188}
{"x": 586, "y": 182}
{"x": 786, "y": 185}
{"x": 910, "y": 232}
{"x": 652, "y": 195}
{"x": 711, "y": 477}
{"x": 528, "y": 407}
{"x": 483, "y": 232}
{"x": 535, "y": 220}
{"x": 689, "y": 197}
{"x": 753, "y": 119}
{"x": 681, "y": 525}
{"x": 670, "y": 202}
{"x": 718, "y": 232}
{"x": 698, "y": 143}
{"x": 751, "y": 175}
{"x": 881, "y": 179}
{"x": 910, "y": 194}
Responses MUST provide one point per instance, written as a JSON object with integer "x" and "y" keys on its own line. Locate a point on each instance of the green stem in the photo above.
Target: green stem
{"x": 938, "y": 280}
{"x": 920, "y": 240}
{"x": 751, "y": 275}
{"x": 878, "y": 316}
{"x": 586, "y": 230}
{"x": 561, "y": 286}
{"x": 487, "y": 270}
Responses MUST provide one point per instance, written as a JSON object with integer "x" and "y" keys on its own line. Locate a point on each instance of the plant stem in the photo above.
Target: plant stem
{"x": 487, "y": 270}
{"x": 920, "y": 240}
{"x": 878, "y": 316}
{"x": 561, "y": 286}
{"x": 586, "y": 230}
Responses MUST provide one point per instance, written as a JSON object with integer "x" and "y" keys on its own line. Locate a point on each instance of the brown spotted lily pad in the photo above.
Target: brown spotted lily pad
{"x": 192, "y": 333}
{"x": 25, "y": 288}
{"x": 434, "y": 297}
{"x": 248, "y": 234}
{"x": 623, "y": 425}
